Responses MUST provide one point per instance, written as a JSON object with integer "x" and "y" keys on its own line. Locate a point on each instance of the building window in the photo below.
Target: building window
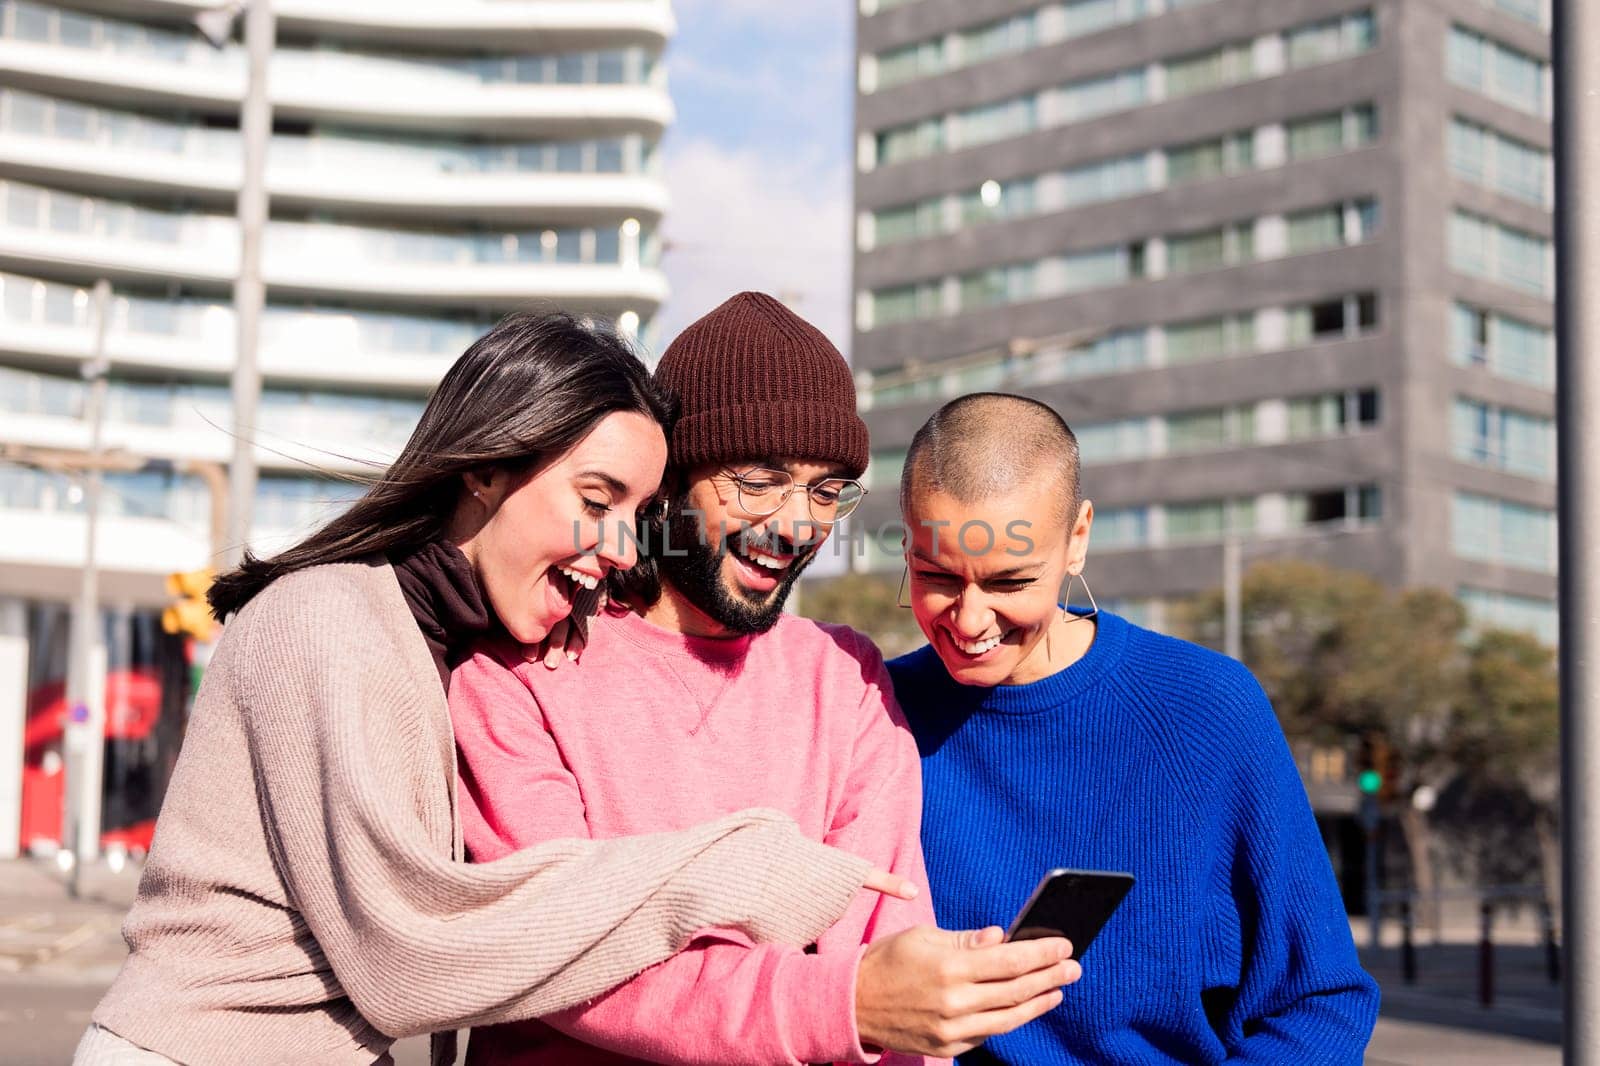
{"x": 1120, "y": 528}
{"x": 996, "y": 200}
{"x": 1489, "y": 249}
{"x": 1202, "y": 431}
{"x": 1498, "y": 71}
{"x": 909, "y": 222}
{"x": 1345, "y": 316}
{"x": 1014, "y": 34}
{"x": 1085, "y": 99}
{"x": 1331, "y": 227}
{"x": 909, "y": 62}
{"x": 1489, "y": 158}
{"x": 1209, "y": 519}
{"x": 1350, "y": 505}
{"x": 1208, "y": 70}
{"x": 1492, "y": 530}
{"x": 1210, "y": 338}
{"x": 1502, "y": 610}
{"x": 1489, "y": 435}
{"x": 1212, "y": 158}
{"x": 1117, "y": 352}
{"x": 911, "y": 141}
{"x": 1322, "y": 42}
{"x": 999, "y": 285}
{"x": 993, "y": 122}
{"x": 1113, "y": 442}
{"x": 1504, "y": 346}
{"x": 906, "y": 303}
{"x": 1332, "y": 413}
{"x": 1225, "y": 246}
{"x": 884, "y": 469}
{"x": 1534, "y": 12}
{"x": 1336, "y": 131}
{"x": 1110, "y": 179}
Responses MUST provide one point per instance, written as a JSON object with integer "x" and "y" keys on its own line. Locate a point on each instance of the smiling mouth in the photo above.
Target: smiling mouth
{"x": 978, "y": 647}
{"x": 580, "y": 580}
{"x": 777, "y": 564}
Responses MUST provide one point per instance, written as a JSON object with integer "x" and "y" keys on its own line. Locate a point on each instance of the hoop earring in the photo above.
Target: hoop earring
{"x": 1094, "y": 608}
{"x": 899, "y": 597}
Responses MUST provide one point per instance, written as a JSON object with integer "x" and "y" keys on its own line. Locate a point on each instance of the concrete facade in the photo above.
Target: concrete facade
{"x": 1409, "y": 456}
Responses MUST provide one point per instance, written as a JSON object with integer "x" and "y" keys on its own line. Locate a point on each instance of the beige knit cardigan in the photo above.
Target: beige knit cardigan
{"x": 305, "y": 899}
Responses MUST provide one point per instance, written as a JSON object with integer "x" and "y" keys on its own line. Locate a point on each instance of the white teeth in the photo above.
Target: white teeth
{"x": 764, "y": 560}
{"x": 588, "y": 581}
{"x": 980, "y": 647}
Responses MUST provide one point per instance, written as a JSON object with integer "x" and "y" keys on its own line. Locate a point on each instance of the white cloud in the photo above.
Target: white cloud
{"x": 745, "y": 221}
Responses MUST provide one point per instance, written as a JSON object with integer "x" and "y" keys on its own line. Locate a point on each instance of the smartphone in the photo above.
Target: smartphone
{"x": 1075, "y": 904}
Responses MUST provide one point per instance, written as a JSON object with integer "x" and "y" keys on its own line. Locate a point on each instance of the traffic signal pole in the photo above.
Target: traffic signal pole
{"x": 1576, "y": 53}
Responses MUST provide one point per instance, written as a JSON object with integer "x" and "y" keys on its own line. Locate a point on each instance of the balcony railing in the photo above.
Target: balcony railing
{"x": 39, "y": 24}
{"x": 359, "y": 336}
{"x": 32, "y": 208}
{"x": 34, "y": 115}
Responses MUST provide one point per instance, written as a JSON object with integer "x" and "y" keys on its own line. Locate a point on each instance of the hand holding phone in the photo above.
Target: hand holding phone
{"x": 1075, "y": 904}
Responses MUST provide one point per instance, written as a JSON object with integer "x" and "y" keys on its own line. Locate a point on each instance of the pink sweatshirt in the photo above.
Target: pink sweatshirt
{"x": 654, "y": 730}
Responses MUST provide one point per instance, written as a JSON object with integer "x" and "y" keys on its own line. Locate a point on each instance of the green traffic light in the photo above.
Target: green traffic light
{"x": 1369, "y": 782}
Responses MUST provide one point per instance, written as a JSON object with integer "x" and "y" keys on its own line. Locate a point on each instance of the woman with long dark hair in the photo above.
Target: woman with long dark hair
{"x": 305, "y": 898}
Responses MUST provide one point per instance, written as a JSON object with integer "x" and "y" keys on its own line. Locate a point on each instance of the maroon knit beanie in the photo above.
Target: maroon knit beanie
{"x": 755, "y": 379}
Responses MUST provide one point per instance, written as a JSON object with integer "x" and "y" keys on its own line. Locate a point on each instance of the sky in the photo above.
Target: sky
{"x": 758, "y": 161}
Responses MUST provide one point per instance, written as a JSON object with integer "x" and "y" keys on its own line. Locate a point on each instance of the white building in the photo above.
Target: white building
{"x": 433, "y": 165}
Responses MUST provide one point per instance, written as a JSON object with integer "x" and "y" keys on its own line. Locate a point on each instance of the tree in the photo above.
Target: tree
{"x": 1508, "y": 731}
{"x": 1401, "y": 672}
{"x": 867, "y": 602}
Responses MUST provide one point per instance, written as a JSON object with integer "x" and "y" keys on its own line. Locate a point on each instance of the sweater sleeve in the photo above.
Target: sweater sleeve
{"x": 1302, "y": 995}
{"x": 724, "y": 1000}
{"x": 422, "y": 943}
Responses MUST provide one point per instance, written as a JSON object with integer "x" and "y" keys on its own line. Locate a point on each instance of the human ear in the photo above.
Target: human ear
{"x": 486, "y": 484}
{"x": 1078, "y": 539}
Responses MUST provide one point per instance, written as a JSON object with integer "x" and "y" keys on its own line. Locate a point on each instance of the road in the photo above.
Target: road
{"x": 57, "y": 955}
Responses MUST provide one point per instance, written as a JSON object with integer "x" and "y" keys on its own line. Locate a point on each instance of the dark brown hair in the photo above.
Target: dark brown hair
{"x": 521, "y": 396}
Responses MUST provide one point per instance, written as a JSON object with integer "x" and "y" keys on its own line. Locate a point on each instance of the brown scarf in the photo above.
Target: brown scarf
{"x": 445, "y": 598}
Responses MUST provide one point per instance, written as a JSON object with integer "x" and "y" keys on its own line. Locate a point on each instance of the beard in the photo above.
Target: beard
{"x": 694, "y": 567}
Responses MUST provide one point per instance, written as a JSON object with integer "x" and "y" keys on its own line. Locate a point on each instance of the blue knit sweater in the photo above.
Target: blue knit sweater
{"x": 1163, "y": 759}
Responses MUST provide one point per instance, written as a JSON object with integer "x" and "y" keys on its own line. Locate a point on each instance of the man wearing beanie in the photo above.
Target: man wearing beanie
{"x": 705, "y": 698}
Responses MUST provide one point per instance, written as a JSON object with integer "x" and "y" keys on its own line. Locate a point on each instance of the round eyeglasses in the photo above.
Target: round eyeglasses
{"x": 763, "y": 492}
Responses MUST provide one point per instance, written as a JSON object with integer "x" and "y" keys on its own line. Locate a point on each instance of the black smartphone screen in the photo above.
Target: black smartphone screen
{"x": 1075, "y": 904}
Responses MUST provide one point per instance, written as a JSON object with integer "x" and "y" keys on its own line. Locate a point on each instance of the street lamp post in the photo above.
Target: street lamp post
{"x": 1575, "y": 37}
{"x": 249, "y": 290}
{"x": 84, "y": 732}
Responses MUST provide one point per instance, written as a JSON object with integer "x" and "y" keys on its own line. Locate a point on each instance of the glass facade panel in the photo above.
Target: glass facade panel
{"x": 1111, "y": 442}
{"x": 1486, "y": 157}
{"x": 905, "y": 303}
{"x": 1492, "y": 250}
{"x": 910, "y": 222}
{"x": 1492, "y": 530}
{"x": 1111, "y": 179}
{"x": 1209, "y": 70}
{"x": 1503, "y": 610}
{"x": 1099, "y": 96}
{"x": 1499, "y": 71}
{"x": 993, "y": 122}
{"x": 1120, "y": 527}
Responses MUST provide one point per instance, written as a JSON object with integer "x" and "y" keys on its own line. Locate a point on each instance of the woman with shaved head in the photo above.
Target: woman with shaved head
{"x": 1062, "y": 737}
